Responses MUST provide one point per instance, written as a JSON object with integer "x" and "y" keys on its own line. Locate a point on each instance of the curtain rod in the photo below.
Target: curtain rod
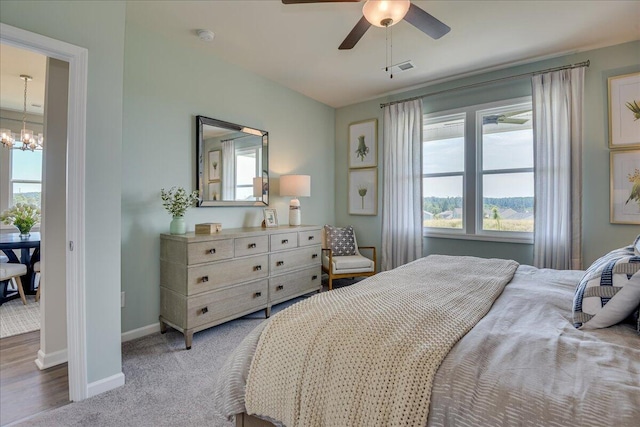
{"x": 517, "y": 76}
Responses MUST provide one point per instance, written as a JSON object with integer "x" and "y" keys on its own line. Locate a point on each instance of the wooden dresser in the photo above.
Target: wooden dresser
{"x": 206, "y": 280}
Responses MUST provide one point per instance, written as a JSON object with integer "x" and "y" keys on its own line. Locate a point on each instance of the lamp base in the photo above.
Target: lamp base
{"x": 294, "y": 212}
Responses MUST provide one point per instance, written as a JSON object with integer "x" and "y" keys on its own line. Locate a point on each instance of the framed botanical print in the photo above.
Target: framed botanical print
{"x": 363, "y": 144}
{"x": 363, "y": 191}
{"x": 625, "y": 186}
{"x": 624, "y": 111}
{"x": 214, "y": 165}
{"x": 215, "y": 192}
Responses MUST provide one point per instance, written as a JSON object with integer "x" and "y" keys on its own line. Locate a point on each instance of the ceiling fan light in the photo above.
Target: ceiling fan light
{"x": 383, "y": 13}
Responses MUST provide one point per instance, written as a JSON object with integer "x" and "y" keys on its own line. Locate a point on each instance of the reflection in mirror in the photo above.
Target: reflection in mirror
{"x": 232, "y": 164}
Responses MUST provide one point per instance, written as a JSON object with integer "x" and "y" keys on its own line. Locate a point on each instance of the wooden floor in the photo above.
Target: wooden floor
{"x": 24, "y": 389}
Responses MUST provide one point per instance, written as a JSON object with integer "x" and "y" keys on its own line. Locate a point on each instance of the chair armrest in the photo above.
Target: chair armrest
{"x": 372, "y": 248}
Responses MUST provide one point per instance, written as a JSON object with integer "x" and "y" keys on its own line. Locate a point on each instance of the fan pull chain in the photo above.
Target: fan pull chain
{"x": 391, "y": 54}
{"x": 388, "y": 42}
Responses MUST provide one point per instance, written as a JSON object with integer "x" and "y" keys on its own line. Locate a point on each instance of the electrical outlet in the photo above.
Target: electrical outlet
{"x": 122, "y": 299}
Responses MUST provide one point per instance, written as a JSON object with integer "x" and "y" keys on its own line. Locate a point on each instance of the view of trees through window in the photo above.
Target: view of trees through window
{"x": 26, "y": 177}
{"x": 502, "y": 150}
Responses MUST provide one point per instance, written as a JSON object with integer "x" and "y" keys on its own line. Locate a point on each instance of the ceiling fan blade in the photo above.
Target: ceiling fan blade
{"x": 426, "y": 22}
{"x": 356, "y": 34}
{"x": 318, "y": 1}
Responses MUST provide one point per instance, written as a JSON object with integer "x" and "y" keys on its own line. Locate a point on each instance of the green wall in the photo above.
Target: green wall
{"x": 99, "y": 27}
{"x": 167, "y": 82}
{"x": 599, "y": 236}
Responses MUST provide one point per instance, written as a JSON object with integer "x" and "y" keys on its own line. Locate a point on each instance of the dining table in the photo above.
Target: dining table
{"x": 29, "y": 247}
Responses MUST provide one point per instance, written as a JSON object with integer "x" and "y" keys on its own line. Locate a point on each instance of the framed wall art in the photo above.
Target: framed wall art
{"x": 363, "y": 144}
{"x": 215, "y": 191}
{"x": 363, "y": 191}
{"x": 625, "y": 187}
{"x": 215, "y": 165}
{"x": 624, "y": 111}
{"x": 270, "y": 217}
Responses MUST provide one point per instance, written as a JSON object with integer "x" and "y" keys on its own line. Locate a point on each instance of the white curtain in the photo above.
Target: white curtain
{"x": 402, "y": 189}
{"x": 557, "y": 127}
{"x": 229, "y": 170}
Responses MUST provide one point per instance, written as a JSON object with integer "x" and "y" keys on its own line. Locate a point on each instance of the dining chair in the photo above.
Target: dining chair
{"x": 12, "y": 272}
{"x": 37, "y": 281}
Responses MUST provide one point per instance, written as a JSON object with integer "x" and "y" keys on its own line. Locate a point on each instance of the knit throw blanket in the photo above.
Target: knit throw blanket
{"x": 366, "y": 355}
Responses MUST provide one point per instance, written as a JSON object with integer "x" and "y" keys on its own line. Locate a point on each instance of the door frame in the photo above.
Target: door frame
{"x": 77, "y": 57}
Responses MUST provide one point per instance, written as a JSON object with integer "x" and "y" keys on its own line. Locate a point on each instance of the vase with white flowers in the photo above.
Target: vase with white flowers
{"x": 23, "y": 216}
{"x": 176, "y": 201}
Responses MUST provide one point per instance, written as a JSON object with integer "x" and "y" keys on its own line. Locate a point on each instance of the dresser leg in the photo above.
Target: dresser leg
{"x": 188, "y": 337}
{"x": 163, "y": 327}
{"x": 267, "y": 312}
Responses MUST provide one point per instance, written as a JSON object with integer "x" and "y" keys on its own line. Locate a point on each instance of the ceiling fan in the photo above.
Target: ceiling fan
{"x": 495, "y": 119}
{"x": 385, "y": 13}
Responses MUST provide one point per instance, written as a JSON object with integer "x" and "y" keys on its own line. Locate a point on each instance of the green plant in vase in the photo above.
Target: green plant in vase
{"x": 176, "y": 201}
{"x": 23, "y": 216}
{"x": 362, "y": 191}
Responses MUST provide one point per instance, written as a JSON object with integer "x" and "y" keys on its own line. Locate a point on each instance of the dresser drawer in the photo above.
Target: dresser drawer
{"x": 282, "y": 288}
{"x": 219, "y": 305}
{"x": 309, "y": 238}
{"x": 284, "y": 241}
{"x": 213, "y": 250}
{"x": 211, "y": 276}
{"x": 291, "y": 260}
{"x": 251, "y": 245}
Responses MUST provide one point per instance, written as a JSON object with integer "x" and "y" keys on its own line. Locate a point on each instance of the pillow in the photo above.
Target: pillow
{"x": 636, "y": 246}
{"x": 609, "y": 291}
{"x": 340, "y": 240}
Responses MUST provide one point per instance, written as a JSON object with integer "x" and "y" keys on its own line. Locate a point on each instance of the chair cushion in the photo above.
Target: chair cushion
{"x": 36, "y": 267}
{"x": 9, "y": 270}
{"x": 350, "y": 264}
{"x": 609, "y": 291}
{"x": 340, "y": 240}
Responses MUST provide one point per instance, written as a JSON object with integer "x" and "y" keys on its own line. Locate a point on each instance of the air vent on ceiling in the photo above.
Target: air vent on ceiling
{"x": 401, "y": 67}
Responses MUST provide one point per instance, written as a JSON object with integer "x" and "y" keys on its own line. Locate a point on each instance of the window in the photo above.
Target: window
{"x": 26, "y": 177}
{"x": 248, "y": 165}
{"x": 478, "y": 172}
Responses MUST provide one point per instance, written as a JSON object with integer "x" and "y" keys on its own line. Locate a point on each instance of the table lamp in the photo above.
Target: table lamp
{"x": 295, "y": 186}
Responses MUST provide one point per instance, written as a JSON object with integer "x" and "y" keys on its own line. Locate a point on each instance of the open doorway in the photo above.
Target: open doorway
{"x": 33, "y": 119}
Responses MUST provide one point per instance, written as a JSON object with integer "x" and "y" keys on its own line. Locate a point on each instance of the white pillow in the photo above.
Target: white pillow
{"x": 636, "y": 246}
{"x": 609, "y": 290}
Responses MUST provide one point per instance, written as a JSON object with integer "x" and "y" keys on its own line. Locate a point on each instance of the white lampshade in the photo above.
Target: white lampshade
{"x": 385, "y": 13}
{"x": 295, "y": 185}
{"x": 257, "y": 186}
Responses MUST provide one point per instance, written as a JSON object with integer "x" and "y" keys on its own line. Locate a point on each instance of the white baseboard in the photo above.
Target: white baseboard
{"x": 141, "y": 332}
{"x": 105, "y": 384}
{"x": 45, "y": 361}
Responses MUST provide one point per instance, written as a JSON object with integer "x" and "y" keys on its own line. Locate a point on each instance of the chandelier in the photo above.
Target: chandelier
{"x": 29, "y": 140}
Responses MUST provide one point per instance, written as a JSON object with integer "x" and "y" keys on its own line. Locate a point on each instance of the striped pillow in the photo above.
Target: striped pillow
{"x": 609, "y": 291}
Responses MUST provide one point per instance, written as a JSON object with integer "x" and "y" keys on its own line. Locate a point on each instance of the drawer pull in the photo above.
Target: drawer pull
{"x": 285, "y": 241}
{"x": 257, "y": 295}
{"x": 257, "y": 268}
{"x": 279, "y": 263}
{"x": 311, "y": 237}
{"x": 252, "y": 245}
{"x": 314, "y": 256}
{"x": 314, "y": 277}
{"x": 205, "y": 310}
{"x": 279, "y": 288}
{"x": 204, "y": 279}
{"x": 212, "y": 251}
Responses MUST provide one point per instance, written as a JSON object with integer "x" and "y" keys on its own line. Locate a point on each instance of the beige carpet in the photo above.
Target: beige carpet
{"x": 16, "y": 318}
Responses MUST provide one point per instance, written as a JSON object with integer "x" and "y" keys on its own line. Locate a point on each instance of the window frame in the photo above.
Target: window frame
{"x": 472, "y": 198}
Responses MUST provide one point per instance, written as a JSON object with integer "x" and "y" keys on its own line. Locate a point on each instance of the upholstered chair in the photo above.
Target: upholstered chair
{"x": 341, "y": 257}
{"x": 12, "y": 272}
{"x": 37, "y": 280}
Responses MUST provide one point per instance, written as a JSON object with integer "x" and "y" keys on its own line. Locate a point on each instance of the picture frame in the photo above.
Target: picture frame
{"x": 624, "y": 111}
{"x": 214, "y": 165}
{"x": 215, "y": 190}
{"x": 270, "y": 217}
{"x": 363, "y": 144}
{"x": 625, "y": 186}
{"x": 363, "y": 191}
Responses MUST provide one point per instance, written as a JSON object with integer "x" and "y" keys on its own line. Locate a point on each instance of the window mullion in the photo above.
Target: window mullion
{"x": 469, "y": 180}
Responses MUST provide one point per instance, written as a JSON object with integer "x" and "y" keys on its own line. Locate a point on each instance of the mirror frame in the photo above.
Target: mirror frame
{"x": 201, "y": 121}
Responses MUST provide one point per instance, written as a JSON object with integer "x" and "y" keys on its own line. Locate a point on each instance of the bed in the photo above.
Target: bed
{"x": 522, "y": 363}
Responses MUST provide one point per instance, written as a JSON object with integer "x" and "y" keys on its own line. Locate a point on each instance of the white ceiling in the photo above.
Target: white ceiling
{"x": 297, "y": 45}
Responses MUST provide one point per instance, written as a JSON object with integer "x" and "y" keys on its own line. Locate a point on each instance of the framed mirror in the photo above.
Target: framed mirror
{"x": 232, "y": 164}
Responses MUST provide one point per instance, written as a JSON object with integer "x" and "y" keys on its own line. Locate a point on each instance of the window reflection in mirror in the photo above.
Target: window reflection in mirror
{"x": 232, "y": 164}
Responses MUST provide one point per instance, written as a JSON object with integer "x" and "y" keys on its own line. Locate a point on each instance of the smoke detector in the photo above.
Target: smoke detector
{"x": 205, "y": 35}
